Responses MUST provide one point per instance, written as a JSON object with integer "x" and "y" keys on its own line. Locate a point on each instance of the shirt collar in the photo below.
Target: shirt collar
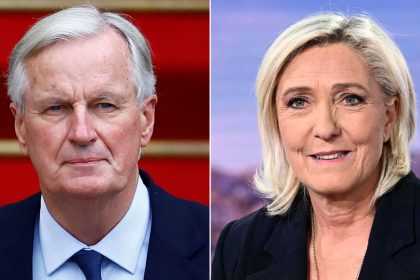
{"x": 122, "y": 244}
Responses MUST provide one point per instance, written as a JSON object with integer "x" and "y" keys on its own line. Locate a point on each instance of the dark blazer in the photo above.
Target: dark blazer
{"x": 262, "y": 247}
{"x": 178, "y": 247}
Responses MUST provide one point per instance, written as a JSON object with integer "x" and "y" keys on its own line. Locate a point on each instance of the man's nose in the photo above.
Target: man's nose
{"x": 82, "y": 131}
{"x": 325, "y": 123}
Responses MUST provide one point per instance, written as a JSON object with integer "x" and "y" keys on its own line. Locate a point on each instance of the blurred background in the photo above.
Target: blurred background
{"x": 178, "y": 33}
{"x": 241, "y": 32}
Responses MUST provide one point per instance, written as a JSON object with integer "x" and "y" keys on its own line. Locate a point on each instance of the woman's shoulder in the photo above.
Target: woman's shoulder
{"x": 241, "y": 239}
{"x": 247, "y": 225}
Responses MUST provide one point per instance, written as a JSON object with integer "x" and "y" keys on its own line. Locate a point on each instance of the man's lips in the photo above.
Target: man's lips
{"x": 83, "y": 160}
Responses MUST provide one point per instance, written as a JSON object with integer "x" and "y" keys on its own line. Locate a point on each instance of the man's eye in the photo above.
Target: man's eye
{"x": 56, "y": 108}
{"x": 297, "y": 103}
{"x": 105, "y": 105}
{"x": 353, "y": 99}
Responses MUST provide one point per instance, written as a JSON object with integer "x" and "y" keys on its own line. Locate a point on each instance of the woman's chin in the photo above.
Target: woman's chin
{"x": 333, "y": 188}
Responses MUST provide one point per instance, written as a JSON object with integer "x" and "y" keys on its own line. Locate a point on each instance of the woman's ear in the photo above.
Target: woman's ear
{"x": 391, "y": 116}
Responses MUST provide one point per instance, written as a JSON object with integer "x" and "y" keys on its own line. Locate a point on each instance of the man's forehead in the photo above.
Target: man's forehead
{"x": 105, "y": 50}
{"x": 96, "y": 65}
{"x": 116, "y": 43}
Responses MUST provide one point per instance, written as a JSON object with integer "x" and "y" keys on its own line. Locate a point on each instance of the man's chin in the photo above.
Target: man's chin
{"x": 92, "y": 187}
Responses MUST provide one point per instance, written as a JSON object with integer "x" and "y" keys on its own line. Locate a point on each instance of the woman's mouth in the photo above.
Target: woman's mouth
{"x": 330, "y": 155}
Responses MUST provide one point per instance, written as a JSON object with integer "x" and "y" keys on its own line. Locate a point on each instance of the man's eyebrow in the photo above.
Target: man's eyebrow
{"x": 51, "y": 100}
{"x": 344, "y": 86}
{"x": 108, "y": 96}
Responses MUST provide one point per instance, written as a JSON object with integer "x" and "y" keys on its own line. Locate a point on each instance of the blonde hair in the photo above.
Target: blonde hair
{"x": 276, "y": 180}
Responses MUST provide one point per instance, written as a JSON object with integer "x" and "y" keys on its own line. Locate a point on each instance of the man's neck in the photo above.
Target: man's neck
{"x": 90, "y": 220}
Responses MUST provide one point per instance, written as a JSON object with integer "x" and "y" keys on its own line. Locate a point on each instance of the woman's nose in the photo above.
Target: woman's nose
{"x": 325, "y": 123}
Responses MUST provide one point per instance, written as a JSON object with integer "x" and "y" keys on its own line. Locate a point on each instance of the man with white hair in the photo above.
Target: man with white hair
{"x": 82, "y": 89}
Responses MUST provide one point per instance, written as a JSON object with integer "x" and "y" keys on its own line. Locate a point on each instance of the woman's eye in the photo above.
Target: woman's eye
{"x": 297, "y": 103}
{"x": 353, "y": 99}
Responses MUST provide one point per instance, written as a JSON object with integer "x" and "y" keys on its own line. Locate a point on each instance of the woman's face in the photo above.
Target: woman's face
{"x": 333, "y": 120}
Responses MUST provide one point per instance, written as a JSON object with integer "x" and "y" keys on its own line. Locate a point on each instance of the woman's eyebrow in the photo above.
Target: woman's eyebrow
{"x": 335, "y": 87}
{"x": 344, "y": 86}
{"x": 294, "y": 90}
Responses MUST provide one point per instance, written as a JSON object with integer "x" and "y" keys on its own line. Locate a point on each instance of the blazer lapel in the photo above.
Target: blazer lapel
{"x": 287, "y": 246}
{"x": 174, "y": 238}
{"x": 393, "y": 233}
{"x": 17, "y": 235}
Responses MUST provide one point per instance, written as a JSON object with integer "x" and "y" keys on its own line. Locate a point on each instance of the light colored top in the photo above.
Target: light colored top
{"x": 124, "y": 247}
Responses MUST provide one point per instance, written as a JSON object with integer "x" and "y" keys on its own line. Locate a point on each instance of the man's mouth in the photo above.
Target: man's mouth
{"x": 84, "y": 160}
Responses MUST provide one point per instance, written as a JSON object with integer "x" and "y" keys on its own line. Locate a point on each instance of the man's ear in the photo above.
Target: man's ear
{"x": 147, "y": 119}
{"x": 20, "y": 129}
{"x": 391, "y": 116}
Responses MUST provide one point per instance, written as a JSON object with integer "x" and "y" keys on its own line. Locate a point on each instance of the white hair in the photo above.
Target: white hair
{"x": 276, "y": 180}
{"x": 79, "y": 22}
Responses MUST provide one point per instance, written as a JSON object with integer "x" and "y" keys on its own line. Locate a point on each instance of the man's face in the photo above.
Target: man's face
{"x": 82, "y": 127}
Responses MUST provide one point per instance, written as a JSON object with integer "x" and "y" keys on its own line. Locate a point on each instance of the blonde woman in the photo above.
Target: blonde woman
{"x": 336, "y": 111}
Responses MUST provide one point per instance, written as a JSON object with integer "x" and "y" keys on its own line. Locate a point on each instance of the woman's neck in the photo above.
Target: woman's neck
{"x": 342, "y": 214}
{"x": 339, "y": 235}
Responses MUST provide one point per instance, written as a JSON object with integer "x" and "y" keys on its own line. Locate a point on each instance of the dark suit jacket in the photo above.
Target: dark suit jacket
{"x": 262, "y": 247}
{"x": 178, "y": 247}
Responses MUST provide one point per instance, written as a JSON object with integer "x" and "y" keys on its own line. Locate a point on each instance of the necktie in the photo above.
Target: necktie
{"x": 89, "y": 262}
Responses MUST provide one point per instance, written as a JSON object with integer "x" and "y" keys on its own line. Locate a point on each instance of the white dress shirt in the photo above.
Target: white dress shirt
{"x": 124, "y": 247}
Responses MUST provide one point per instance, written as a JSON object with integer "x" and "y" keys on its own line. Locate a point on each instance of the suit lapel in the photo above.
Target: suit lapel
{"x": 17, "y": 235}
{"x": 287, "y": 246}
{"x": 393, "y": 233}
{"x": 174, "y": 238}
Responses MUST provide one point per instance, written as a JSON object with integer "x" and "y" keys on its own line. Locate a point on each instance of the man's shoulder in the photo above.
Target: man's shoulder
{"x": 24, "y": 208}
{"x": 16, "y": 234}
{"x": 180, "y": 233}
{"x": 175, "y": 210}
{"x": 156, "y": 192}
{"x": 199, "y": 212}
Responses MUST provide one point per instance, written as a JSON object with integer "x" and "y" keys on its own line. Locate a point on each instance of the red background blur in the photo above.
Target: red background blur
{"x": 180, "y": 47}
